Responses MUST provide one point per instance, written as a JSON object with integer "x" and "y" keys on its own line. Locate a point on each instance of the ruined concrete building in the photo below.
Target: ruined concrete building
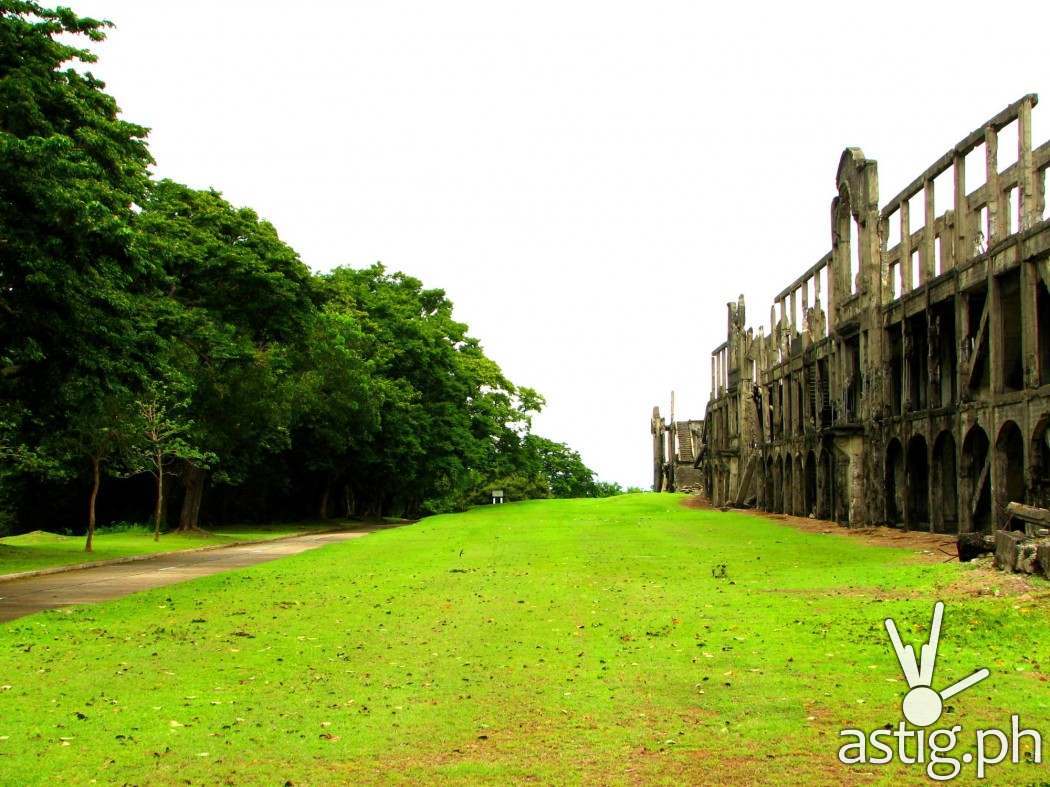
{"x": 675, "y": 447}
{"x": 906, "y": 376}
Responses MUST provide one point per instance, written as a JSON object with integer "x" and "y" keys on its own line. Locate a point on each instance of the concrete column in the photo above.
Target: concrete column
{"x": 885, "y": 274}
{"x": 1030, "y": 327}
{"x": 963, "y": 246}
{"x": 905, "y": 266}
{"x": 995, "y": 198}
{"x": 775, "y": 401}
{"x": 831, "y": 296}
{"x": 1027, "y": 189}
{"x": 929, "y": 251}
{"x": 816, "y": 296}
{"x": 1029, "y": 276}
{"x": 995, "y": 215}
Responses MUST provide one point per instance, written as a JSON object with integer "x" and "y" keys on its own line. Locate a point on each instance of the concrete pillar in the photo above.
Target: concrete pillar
{"x": 929, "y": 252}
{"x": 995, "y": 198}
{"x": 963, "y": 245}
{"x": 1027, "y": 188}
{"x": 996, "y": 224}
{"x": 906, "y": 273}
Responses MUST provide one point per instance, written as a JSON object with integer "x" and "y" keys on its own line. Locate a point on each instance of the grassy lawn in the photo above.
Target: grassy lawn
{"x": 553, "y": 641}
{"x": 39, "y": 549}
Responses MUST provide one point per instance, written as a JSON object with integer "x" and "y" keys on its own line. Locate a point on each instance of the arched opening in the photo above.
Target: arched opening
{"x": 918, "y": 466}
{"x": 894, "y": 482}
{"x": 1009, "y": 476}
{"x": 854, "y": 254}
{"x": 945, "y": 485}
{"x": 976, "y": 478}
{"x": 810, "y": 507}
{"x": 847, "y": 242}
{"x": 789, "y": 487}
{"x": 1039, "y": 458}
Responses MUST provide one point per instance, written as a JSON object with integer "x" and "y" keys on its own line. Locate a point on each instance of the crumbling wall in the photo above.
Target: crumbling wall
{"x": 676, "y": 446}
{"x": 905, "y": 378}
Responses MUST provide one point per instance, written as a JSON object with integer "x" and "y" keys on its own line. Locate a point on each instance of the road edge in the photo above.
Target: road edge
{"x": 42, "y": 572}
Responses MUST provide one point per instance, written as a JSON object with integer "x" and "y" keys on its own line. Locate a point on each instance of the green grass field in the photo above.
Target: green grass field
{"x": 551, "y": 641}
{"x": 39, "y": 549}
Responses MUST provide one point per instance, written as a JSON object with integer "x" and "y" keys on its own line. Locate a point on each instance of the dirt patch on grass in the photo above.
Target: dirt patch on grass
{"x": 976, "y": 581}
{"x": 718, "y": 767}
{"x": 982, "y": 579}
{"x": 929, "y": 547}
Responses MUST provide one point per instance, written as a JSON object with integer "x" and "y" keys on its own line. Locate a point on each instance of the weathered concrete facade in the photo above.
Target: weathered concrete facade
{"x": 906, "y": 377}
{"x": 675, "y": 446}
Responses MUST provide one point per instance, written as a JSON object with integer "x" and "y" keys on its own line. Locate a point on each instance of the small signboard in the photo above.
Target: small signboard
{"x": 497, "y": 496}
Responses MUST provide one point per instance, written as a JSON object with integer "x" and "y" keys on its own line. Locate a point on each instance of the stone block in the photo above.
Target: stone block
{"x": 1006, "y": 542}
{"x": 1043, "y": 553}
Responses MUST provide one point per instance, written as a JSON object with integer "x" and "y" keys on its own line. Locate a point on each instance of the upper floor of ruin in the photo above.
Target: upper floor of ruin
{"x": 970, "y": 213}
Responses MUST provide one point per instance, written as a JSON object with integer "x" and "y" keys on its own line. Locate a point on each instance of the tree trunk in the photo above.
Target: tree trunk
{"x": 326, "y": 493}
{"x": 159, "y": 509}
{"x": 348, "y": 501}
{"x": 96, "y": 463}
{"x": 193, "y": 481}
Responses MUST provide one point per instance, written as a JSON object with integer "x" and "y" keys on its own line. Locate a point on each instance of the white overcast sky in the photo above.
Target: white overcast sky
{"x": 590, "y": 182}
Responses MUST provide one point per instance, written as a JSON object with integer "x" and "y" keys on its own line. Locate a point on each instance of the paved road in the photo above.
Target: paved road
{"x": 25, "y": 596}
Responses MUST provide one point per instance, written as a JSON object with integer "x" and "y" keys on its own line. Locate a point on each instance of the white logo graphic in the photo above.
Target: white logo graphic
{"x": 924, "y": 744}
{"x": 922, "y": 705}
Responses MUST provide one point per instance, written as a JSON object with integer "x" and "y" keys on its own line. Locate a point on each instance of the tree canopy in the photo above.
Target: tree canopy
{"x": 153, "y": 331}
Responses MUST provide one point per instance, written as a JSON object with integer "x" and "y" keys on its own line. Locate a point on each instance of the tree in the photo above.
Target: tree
{"x": 230, "y": 299}
{"x": 161, "y": 323}
{"x": 446, "y": 411}
{"x": 336, "y": 406}
{"x": 159, "y": 438}
{"x": 100, "y": 433}
{"x": 538, "y": 467}
{"x": 564, "y": 468}
{"x": 607, "y": 489}
{"x": 70, "y": 170}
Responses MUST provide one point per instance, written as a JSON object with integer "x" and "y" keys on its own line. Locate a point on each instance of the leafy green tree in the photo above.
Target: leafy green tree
{"x": 336, "y": 406}
{"x": 164, "y": 324}
{"x": 70, "y": 171}
{"x": 231, "y": 297}
{"x": 517, "y": 486}
{"x": 159, "y": 438}
{"x": 445, "y": 408}
{"x": 98, "y": 432}
{"x": 538, "y": 467}
{"x": 607, "y": 489}
{"x": 563, "y": 467}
